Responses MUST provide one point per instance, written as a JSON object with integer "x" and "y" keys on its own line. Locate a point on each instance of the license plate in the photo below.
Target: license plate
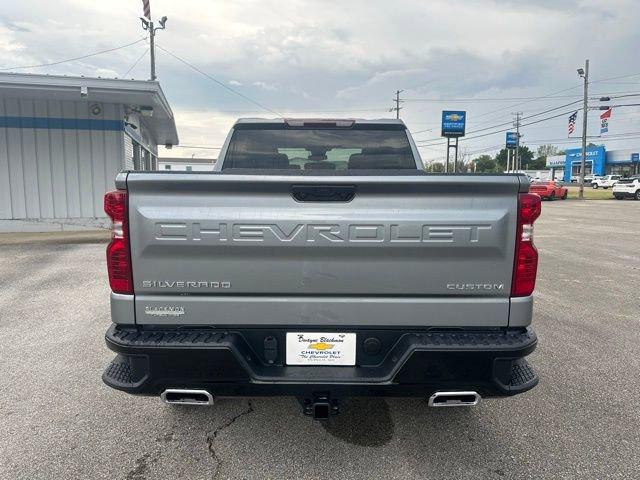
{"x": 313, "y": 348}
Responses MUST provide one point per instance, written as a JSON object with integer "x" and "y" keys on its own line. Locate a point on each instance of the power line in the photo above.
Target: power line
{"x": 135, "y": 63}
{"x": 560, "y": 141}
{"x": 612, "y": 96}
{"x": 609, "y": 137}
{"x": 552, "y": 95}
{"x": 492, "y": 99}
{"x": 615, "y": 78}
{"x": 505, "y": 123}
{"x": 547, "y": 96}
{"x": 506, "y": 129}
{"x": 485, "y": 99}
{"x": 522, "y": 125}
{"x": 75, "y": 58}
{"x": 215, "y": 80}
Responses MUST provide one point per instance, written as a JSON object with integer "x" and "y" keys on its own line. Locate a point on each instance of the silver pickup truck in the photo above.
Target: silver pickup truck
{"x": 320, "y": 261}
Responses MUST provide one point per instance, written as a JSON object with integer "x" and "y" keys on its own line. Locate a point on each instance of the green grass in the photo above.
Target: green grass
{"x": 590, "y": 193}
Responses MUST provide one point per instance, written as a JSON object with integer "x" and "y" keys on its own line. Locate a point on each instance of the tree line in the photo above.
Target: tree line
{"x": 487, "y": 164}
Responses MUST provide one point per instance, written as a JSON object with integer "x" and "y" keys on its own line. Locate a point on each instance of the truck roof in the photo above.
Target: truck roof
{"x": 287, "y": 120}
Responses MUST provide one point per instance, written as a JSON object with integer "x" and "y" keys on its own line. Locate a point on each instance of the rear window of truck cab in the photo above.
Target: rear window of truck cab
{"x": 322, "y": 148}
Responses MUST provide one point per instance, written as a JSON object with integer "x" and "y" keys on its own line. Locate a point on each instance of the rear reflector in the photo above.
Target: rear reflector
{"x": 118, "y": 255}
{"x": 525, "y": 264}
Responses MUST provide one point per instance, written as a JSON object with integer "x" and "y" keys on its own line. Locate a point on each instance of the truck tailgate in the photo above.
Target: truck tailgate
{"x": 413, "y": 250}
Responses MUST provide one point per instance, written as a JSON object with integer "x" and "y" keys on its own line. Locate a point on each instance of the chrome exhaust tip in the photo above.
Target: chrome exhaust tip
{"x": 178, "y": 396}
{"x": 454, "y": 399}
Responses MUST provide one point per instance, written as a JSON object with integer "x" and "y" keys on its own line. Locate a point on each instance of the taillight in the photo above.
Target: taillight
{"x": 525, "y": 265}
{"x": 118, "y": 255}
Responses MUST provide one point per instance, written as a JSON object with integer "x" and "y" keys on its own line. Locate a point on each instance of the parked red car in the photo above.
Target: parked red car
{"x": 549, "y": 190}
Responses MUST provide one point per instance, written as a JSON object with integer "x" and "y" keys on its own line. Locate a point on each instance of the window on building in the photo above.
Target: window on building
{"x": 189, "y": 168}
{"x": 619, "y": 169}
{"x": 575, "y": 169}
{"x": 167, "y": 167}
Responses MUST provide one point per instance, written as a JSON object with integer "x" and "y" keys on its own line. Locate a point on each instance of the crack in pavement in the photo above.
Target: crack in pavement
{"x": 139, "y": 472}
{"x": 211, "y": 438}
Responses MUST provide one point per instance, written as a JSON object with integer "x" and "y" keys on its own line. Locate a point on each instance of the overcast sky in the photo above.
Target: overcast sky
{"x": 347, "y": 58}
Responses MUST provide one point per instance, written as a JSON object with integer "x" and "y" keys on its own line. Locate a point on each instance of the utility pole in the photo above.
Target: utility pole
{"x": 585, "y": 109}
{"x": 516, "y": 161}
{"x": 397, "y": 108}
{"x": 148, "y": 26}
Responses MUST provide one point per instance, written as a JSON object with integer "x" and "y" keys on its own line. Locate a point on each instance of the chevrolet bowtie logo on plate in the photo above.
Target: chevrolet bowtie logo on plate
{"x": 320, "y": 346}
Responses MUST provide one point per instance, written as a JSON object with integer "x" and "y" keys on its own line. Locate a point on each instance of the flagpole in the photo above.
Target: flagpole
{"x": 585, "y": 111}
{"x": 152, "y": 51}
{"x": 147, "y": 24}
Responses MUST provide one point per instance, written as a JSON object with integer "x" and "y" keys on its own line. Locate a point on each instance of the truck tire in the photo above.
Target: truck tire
{"x": 595, "y": 186}
{"x": 564, "y": 195}
{"x": 637, "y": 195}
{"x": 552, "y": 197}
{"x": 618, "y": 197}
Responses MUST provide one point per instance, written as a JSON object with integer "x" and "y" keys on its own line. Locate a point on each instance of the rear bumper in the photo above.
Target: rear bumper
{"x": 232, "y": 363}
{"x": 623, "y": 194}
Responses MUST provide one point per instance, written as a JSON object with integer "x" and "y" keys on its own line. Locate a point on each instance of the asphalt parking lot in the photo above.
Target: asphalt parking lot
{"x": 57, "y": 419}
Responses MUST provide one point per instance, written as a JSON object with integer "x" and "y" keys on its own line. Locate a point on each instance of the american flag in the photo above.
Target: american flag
{"x": 146, "y": 8}
{"x": 572, "y": 122}
{"x": 604, "y": 121}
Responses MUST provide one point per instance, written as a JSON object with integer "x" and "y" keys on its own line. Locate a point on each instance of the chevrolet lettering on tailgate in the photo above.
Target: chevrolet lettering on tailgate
{"x": 310, "y": 233}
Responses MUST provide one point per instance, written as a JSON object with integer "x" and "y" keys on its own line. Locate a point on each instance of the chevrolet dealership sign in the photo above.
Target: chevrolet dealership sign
{"x": 453, "y": 123}
{"x": 556, "y": 161}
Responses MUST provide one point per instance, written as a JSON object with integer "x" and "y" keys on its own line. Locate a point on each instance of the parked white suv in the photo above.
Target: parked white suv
{"x": 606, "y": 181}
{"x": 627, "y": 188}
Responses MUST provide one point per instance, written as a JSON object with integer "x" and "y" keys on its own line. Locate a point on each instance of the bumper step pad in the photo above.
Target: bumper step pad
{"x": 119, "y": 371}
{"x": 521, "y": 373}
{"x": 126, "y": 371}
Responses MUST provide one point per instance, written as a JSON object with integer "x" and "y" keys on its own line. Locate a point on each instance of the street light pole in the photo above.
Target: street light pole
{"x": 585, "y": 110}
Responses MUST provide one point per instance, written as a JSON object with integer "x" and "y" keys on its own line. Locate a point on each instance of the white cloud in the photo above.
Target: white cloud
{"x": 313, "y": 57}
{"x": 264, "y": 86}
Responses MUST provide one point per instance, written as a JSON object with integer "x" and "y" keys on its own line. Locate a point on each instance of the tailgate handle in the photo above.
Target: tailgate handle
{"x": 323, "y": 193}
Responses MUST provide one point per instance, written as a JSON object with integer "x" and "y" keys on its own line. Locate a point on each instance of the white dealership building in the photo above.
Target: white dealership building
{"x": 179, "y": 164}
{"x": 63, "y": 140}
